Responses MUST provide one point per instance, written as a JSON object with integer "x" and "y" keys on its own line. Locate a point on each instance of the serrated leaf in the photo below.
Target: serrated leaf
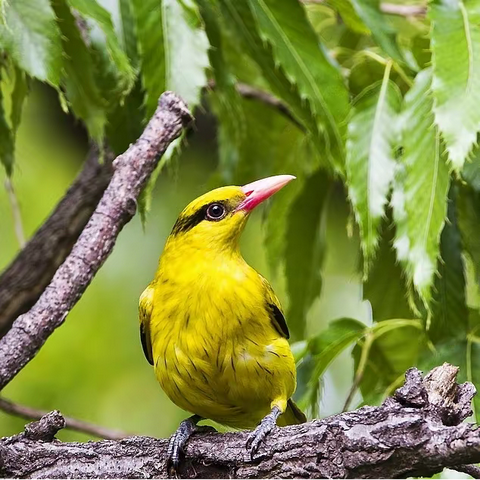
{"x": 296, "y": 49}
{"x": 224, "y": 99}
{"x": 29, "y": 33}
{"x": 114, "y": 71}
{"x": 385, "y": 288}
{"x": 420, "y": 197}
{"x": 239, "y": 15}
{"x": 324, "y": 348}
{"x": 173, "y": 48}
{"x": 449, "y": 309}
{"x": 455, "y": 44}
{"x": 81, "y": 89}
{"x": 471, "y": 170}
{"x": 305, "y": 235}
{"x": 370, "y": 161}
{"x": 383, "y": 33}
{"x": 129, "y": 37}
{"x": 6, "y": 140}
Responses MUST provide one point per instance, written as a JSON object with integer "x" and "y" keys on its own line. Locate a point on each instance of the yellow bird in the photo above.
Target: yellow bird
{"x": 212, "y": 326}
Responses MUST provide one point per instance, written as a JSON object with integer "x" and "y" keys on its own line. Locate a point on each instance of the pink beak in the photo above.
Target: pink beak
{"x": 260, "y": 190}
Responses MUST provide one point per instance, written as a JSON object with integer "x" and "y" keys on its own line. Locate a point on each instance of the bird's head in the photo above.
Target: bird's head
{"x": 217, "y": 218}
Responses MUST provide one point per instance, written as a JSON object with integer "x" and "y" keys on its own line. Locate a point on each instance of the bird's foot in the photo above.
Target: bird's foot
{"x": 256, "y": 438}
{"x": 179, "y": 439}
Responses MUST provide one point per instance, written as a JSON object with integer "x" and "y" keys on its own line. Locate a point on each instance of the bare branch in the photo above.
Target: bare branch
{"x": 17, "y": 216}
{"x": 247, "y": 91}
{"x": 254, "y": 93}
{"x": 24, "y": 280}
{"x": 390, "y": 8}
{"x": 417, "y": 432}
{"x": 70, "y": 423}
{"x": 117, "y": 206}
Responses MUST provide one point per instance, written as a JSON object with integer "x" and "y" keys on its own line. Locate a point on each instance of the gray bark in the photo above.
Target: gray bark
{"x": 116, "y": 207}
{"x": 418, "y": 431}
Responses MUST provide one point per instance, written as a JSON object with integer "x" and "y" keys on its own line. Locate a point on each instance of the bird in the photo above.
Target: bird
{"x": 212, "y": 326}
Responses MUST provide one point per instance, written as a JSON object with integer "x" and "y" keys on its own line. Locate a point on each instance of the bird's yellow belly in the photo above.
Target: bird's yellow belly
{"x": 227, "y": 378}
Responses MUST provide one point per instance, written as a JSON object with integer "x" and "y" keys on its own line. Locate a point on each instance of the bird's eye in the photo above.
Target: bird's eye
{"x": 215, "y": 211}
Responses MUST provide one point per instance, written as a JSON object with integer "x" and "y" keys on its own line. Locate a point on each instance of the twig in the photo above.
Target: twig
{"x": 117, "y": 206}
{"x": 247, "y": 91}
{"x": 362, "y": 363}
{"x": 403, "y": 10}
{"x": 399, "y": 439}
{"x": 17, "y": 216}
{"x": 253, "y": 93}
{"x": 390, "y": 8}
{"x": 24, "y": 280}
{"x": 70, "y": 423}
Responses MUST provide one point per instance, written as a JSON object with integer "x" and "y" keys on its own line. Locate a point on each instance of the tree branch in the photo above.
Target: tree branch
{"x": 417, "y": 432}
{"x": 70, "y": 423}
{"x": 24, "y": 280}
{"x": 116, "y": 207}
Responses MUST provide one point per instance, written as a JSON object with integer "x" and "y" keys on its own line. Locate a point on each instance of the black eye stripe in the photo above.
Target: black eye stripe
{"x": 186, "y": 223}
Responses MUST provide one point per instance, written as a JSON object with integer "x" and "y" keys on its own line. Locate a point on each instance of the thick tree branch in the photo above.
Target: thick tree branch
{"x": 116, "y": 207}
{"x": 24, "y": 280}
{"x": 71, "y": 423}
{"x": 418, "y": 431}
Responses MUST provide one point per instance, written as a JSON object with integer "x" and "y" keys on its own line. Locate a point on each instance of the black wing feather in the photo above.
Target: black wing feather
{"x": 278, "y": 320}
{"x": 146, "y": 344}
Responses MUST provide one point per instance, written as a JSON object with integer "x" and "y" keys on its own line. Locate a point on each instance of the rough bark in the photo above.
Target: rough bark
{"x": 24, "y": 280}
{"x": 418, "y": 431}
{"x": 116, "y": 207}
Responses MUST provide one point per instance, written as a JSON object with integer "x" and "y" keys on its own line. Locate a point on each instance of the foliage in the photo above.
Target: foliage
{"x": 381, "y": 106}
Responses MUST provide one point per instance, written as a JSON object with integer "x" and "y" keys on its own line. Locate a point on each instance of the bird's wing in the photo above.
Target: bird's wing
{"x": 275, "y": 310}
{"x": 144, "y": 312}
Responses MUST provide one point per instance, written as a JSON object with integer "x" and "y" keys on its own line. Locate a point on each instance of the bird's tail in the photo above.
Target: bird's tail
{"x": 292, "y": 415}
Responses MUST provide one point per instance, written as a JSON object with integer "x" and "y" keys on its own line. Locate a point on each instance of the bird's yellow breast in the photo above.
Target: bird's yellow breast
{"x": 215, "y": 350}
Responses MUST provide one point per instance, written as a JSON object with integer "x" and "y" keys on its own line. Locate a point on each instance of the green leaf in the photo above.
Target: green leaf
{"x": 385, "y": 288}
{"x": 449, "y": 309}
{"x": 129, "y": 37}
{"x": 396, "y": 347}
{"x": 468, "y": 210}
{"x": 471, "y": 170}
{"x": 420, "y": 197}
{"x": 455, "y": 37}
{"x": 6, "y": 140}
{"x": 296, "y": 49}
{"x": 173, "y": 48}
{"x": 19, "y": 94}
{"x": 114, "y": 70}
{"x": 81, "y": 88}
{"x": 29, "y": 33}
{"x": 305, "y": 235}
{"x": 224, "y": 98}
{"x": 383, "y": 33}
{"x": 283, "y": 66}
{"x": 324, "y": 348}
{"x": 347, "y": 11}
{"x": 370, "y": 161}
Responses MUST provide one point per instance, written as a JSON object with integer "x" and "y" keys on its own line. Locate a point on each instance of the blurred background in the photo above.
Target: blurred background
{"x": 93, "y": 367}
{"x": 373, "y": 251}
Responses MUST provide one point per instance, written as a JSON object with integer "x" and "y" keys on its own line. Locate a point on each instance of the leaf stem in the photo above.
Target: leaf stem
{"x": 369, "y": 338}
{"x": 17, "y": 217}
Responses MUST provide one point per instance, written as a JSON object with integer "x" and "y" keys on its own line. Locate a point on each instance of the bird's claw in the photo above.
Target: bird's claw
{"x": 256, "y": 438}
{"x": 176, "y": 445}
